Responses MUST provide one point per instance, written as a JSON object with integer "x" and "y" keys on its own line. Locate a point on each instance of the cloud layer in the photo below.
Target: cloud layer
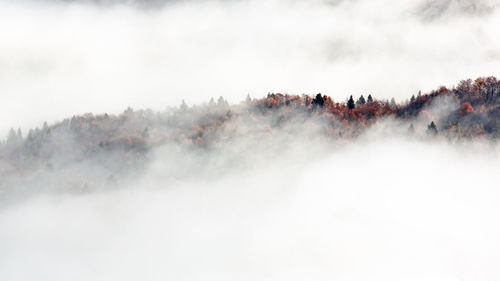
{"x": 387, "y": 210}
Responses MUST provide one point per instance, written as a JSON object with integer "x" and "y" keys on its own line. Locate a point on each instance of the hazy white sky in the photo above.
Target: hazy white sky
{"x": 58, "y": 58}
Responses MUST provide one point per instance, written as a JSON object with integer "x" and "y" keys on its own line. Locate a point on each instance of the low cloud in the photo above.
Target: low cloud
{"x": 391, "y": 209}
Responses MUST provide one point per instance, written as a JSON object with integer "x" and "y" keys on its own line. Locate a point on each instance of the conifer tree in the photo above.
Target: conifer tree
{"x": 211, "y": 103}
{"x": 319, "y": 100}
{"x": 184, "y": 106}
{"x": 222, "y": 102}
{"x": 361, "y": 100}
{"x": 350, "y": 103}
{"x": 370, "y": 98}
{"x": 12, "y": 136}
{"x": 432, "y": 129}
{"x": 392, "y": 103}
{"x": 411, "y": 129}
{"x": 19, "y": 134}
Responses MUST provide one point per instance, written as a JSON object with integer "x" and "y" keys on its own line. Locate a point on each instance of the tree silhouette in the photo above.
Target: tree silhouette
{"x": 222, "y": 102}
{"x": 211, "y": 103}
{"x": 432, "y": 129}
{"x": 319, "y": 100}
{"x": 350, "y": 103}
{"x": 361, "y": 100}
{"x": 19, "y": 134}
{"x": 411, "y": 129}
{"x": 12, "y": 136}
{"x": 392, "y": 103}
{"x": 370, "y": 98}
{"x": 184, "y": 106}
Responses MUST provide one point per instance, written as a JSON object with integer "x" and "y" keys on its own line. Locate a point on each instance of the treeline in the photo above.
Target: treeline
{"x": 469, "y": 110}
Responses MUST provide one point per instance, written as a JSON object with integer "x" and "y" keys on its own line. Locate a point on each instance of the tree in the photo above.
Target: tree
{"x": 350, "y": 103}
{"x": 432, "y": 129}
{"x": 411, "y": 129}
{"x": 412, "y": 99}
{"x": 12, "y": 136}
{"x": 222, "y": 102}
{"x": 211, "y": 103}
{"x": 419, "y": 94}
{"x": 19, "y": 134}
{"x": 392, "y": 103}
{"x": 319, "y": 100}
{"x": 466, "y": 108}
{"x": 145, "y": 133}
{"x": 361, "y": 100}
{"x": 459, "y": 130}
{"x": 184, "y": 106}
{"x": 248, "y": 99}
{"x": 370, "y": 98}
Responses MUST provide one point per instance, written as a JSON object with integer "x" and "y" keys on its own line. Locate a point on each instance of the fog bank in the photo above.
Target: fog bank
{"x": 388, "y": 210}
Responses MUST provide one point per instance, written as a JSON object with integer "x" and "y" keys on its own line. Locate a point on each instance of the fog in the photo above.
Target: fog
{"x": 59, "y": 58}
{"x": 379, "y": 210}
{"x": 258, "y": 203}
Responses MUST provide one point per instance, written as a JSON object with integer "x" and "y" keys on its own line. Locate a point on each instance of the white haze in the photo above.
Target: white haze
{"x": 379, "y": 208}
{"x": 373, "y": 210}
{"x": 61, "y": 58}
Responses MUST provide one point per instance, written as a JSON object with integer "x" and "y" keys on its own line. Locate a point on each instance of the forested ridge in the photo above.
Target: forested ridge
{"x": 468, "y": 111}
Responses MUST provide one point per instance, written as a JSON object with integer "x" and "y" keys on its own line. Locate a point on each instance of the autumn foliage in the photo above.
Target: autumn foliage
{"x": 472, "y": 110}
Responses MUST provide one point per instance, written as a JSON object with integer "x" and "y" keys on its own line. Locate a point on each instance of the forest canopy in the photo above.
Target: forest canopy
{"x": 468, "y": 111}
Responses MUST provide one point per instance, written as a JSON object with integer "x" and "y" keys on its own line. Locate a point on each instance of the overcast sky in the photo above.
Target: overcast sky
{"x": 62, "y": 58}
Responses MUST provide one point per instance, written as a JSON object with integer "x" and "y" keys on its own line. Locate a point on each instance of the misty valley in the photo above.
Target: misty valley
{"x": 249, "y": 140}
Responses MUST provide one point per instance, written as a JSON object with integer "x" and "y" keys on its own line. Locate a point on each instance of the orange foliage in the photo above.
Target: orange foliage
{"x": 466, "y": 108}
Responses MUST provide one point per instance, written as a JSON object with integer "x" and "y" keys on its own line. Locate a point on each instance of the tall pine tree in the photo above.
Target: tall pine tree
{"x": 350, "y": 103}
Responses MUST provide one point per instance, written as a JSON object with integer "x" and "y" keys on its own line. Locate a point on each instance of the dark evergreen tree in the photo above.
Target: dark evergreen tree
{"x": 361, "y": 100}
{"x": 412, "y": 99}
{"x": 370, "y": 98}
{"x": 350, "y": 103}
{"x": 319, "y": 100}
{"x": 432, "y": 129}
